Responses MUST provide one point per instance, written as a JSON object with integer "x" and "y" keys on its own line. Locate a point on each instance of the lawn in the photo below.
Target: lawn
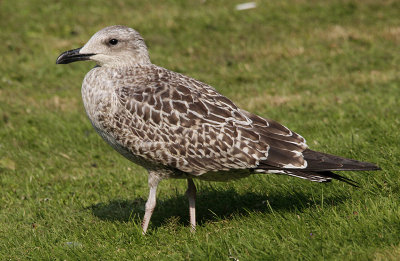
{"x": 328, "y": 70}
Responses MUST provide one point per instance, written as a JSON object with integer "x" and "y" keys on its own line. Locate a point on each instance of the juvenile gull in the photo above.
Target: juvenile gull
{"x": 178, "y": 127}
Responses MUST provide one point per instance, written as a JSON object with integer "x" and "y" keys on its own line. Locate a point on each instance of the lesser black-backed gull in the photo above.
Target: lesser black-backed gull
{"x": 178, "y": 127}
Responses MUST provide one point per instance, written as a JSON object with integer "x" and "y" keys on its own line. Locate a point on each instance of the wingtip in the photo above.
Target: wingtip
{"x": 371, "y": 166}
{"x": 377, "y": 168}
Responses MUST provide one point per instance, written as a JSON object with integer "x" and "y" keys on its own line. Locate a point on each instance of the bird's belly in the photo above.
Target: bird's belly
{"x": 224, "y": 175}
{"x": 115, "y": 145}
{"x": 123, "y": 150}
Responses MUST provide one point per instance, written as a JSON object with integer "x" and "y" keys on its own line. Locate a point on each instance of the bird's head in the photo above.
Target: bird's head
{"x": 114, "y": 46}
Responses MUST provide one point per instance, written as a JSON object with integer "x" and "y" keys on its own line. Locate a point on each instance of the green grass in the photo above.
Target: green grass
{"x": 328, "y": 70}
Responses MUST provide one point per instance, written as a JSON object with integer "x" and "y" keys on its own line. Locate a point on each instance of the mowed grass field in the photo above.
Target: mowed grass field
{"x": 328, "y": 70}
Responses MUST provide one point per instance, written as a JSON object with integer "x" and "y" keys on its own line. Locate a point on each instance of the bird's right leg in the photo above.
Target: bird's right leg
{"x": 151, "y": 201}
{"x": 191, "y": 193}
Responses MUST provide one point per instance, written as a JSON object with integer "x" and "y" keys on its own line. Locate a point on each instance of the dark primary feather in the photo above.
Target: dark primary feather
{"x": 320, "y": 167}
{"x": 319, "y": 161}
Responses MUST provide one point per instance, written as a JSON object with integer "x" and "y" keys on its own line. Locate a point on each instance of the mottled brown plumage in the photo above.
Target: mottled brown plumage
{"x": 178, "y": 127}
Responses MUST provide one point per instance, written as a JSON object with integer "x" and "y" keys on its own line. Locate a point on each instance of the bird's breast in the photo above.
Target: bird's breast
{"x": 103, "y": 109}
{"x": 97, "y": 97}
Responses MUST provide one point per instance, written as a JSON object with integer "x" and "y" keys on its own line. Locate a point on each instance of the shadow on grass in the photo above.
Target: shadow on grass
{"x": 211, "y": 205}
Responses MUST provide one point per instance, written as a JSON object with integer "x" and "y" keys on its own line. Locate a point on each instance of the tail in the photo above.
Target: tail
{"x": 320, "y": 166}
{"x": 325, "y": 176}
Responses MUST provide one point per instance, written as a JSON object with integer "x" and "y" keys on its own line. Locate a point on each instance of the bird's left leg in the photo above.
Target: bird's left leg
{"x": 191, "y": 193}
{"x": 151, "y": 201}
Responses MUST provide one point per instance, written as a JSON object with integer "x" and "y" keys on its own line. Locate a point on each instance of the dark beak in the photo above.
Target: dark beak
{"x": 72, "y": 56}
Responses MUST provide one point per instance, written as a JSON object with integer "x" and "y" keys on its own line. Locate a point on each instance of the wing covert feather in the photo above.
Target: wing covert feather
{"x": 177, "y": 121}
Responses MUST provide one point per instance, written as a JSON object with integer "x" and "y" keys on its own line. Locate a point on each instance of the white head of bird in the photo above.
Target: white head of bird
{"x": 114, "y": 46}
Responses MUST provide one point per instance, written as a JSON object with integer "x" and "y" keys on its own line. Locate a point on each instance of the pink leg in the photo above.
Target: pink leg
{"x": 151, "y": 201}
{"x": 191, "y": 193}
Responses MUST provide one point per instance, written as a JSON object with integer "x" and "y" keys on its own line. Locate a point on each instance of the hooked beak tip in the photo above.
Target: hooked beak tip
{"x": 72, "y": 56}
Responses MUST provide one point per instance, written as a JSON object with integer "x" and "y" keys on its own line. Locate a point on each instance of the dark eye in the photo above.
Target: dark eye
{"x": 113, "y": 41}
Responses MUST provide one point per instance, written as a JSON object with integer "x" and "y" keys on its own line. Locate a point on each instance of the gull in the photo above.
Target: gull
{"x": 178, "y": 127}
